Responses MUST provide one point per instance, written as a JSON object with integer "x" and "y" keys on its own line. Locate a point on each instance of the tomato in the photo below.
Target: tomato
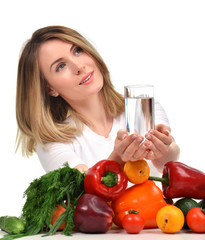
{"x": 196, "y": 220}
{"x": 170, "y": 219}
{"x": 137, "y": 172}
{"x": 57, "y": 212}
{"x": 133, "y": 222}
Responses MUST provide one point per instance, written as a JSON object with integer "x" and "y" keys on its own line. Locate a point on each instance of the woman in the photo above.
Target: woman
{"x": 68, "y": 110}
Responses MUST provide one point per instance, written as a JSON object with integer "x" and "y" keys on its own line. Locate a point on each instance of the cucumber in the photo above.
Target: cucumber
{"x": 12, "y": 225}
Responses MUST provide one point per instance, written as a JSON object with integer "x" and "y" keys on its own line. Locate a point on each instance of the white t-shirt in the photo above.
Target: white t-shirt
{"x": 88, "y": 148}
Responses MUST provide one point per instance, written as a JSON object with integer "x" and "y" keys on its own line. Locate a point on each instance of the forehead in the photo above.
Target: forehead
{"x": 53, "y": 46}
{"x": 51, "y": 50}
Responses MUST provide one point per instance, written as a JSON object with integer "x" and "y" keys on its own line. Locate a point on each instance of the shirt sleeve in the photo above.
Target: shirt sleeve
{"x": 55, "y": 155}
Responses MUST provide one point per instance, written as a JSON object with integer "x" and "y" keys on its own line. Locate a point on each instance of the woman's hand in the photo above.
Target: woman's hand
{"x": 158, "y": 146}
{"x": 128, "y": 147}
{"x": 82, "y": 168}
{"x": 158, "y": 142}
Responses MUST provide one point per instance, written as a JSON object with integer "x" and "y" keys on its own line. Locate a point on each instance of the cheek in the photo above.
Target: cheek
{"x": 100, "y": 83}
{"x": 62, "y": 81}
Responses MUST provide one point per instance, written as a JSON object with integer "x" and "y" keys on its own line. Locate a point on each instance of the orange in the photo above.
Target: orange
{"x": 170, "y": 219}
{"x": 137, "y": 172}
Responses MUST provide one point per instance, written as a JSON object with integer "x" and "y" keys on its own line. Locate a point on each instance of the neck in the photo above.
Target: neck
{"x": 98, "y": 120}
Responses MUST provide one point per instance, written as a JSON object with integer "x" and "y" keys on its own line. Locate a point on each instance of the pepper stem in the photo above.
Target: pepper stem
{"x": 109, "y": 179}
{"x": 164, "y": 180}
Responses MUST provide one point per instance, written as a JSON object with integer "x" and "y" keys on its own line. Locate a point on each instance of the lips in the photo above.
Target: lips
{"x": 87, "y": 78}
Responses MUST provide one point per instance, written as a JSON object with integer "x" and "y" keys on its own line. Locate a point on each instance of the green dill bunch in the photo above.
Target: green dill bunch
{"x": 64, "y": 185}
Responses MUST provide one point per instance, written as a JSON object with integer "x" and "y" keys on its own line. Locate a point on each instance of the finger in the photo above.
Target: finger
{"x": 123, "y": 145}
{"x": 131, "y": 149}
{"x": 122, "y": 134}
{"x": 141, "y": 153}
{"x": 150, "y": 155}
{"x": 153, "y": 134}
{"x": 156, "y": 145}
{"x": 152, "y": 151}
{"x": 163, "y": 129}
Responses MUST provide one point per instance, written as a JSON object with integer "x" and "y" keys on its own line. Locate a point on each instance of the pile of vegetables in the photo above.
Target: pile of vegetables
{"x": 67, "y": 200}
{"x": 178, "y": 181}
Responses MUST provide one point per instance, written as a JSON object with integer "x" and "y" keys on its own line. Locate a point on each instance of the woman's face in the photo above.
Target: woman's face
{"x": 70, "y": 72}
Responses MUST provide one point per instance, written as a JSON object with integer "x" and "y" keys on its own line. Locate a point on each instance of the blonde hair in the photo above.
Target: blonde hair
{"x": 41, "y": 117}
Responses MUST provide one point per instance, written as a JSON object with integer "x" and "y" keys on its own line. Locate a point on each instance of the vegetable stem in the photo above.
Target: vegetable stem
{"x": 131, "y": 211}
{"x": 109, "y": 179}
{"x": 56, "y": 225}
{"x": 164, "y": 180}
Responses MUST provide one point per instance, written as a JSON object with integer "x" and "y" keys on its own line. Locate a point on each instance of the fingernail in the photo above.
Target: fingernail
{"x": 168, "y": 132}
{"x": 148, "y": 137}
{"x": 144, "y": 146}
{"x": 134, "y": 136}
{"x": 152, "y": 132}
{"x": 151, "y": 152}
{"x": 140, "y": 139}
{"x": 149, "y": 144}
{"x": 124, "y": 136}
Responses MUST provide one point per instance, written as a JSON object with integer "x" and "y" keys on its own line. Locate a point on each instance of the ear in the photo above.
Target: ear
{"x": 52, "y": 92}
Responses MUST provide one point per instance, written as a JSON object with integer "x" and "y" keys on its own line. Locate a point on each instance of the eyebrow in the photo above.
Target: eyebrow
{"x": 60, "y": 59}
{"x": 56, "y": 61}
{"x": 71, "y": 49}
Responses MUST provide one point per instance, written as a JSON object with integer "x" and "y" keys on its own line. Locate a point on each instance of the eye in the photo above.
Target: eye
{"x": 78, "y": 50}
{"x": 60, "y": 67}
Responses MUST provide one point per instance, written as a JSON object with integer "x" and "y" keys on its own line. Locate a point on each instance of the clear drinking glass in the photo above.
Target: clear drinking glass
{"x": 139, "y": 108}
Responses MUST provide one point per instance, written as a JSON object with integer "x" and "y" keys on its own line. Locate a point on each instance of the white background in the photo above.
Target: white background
{"x": 156, "y": 42}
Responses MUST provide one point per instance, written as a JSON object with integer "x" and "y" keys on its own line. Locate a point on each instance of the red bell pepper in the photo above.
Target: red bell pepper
{"x": 105, "y": 179}
{"x": 179, "y": 180}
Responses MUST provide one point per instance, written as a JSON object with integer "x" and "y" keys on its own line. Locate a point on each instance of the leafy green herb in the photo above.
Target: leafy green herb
{"x": 44, "y": 194}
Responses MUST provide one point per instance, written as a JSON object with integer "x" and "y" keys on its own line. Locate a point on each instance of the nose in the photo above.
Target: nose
{"x": 77, "y": 67}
